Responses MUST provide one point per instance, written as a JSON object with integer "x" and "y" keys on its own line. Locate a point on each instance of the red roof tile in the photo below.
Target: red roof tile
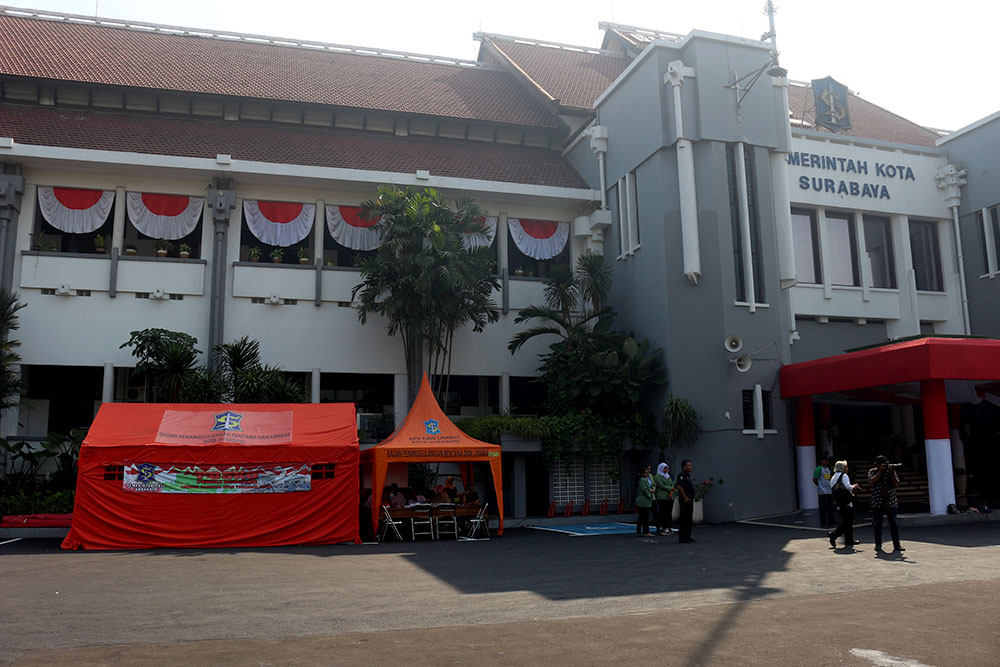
{"x": 97, "y": 54}
{"x": 574, "y": 77}
{"x": 868, "y": 121}
{"x": 267, "y": 142}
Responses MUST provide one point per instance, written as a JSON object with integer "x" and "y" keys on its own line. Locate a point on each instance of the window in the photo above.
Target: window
{"x": 804, "y": 241}
{"x": 926, "y": 253}
{"x": 746, "y": 232}
{"x": 878, "y": 247}
{"x": 758, "y": 417}
{"x": 988, "y": 222}
{"x": 73, "y": 220}
{"x": 841, "y": 251}
{"x": 628, "y": 215}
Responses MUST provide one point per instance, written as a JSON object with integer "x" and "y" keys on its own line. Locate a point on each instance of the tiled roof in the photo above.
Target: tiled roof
{"x": 294, "y": 144}
{"x": 98, "y": 54}
{"x": 575, "y": 77}
{"x": 868, "y": 121}
{"x": 636, "y": 38}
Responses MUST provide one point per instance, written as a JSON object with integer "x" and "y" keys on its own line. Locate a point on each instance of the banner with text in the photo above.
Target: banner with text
{"x": 269, "y": 478}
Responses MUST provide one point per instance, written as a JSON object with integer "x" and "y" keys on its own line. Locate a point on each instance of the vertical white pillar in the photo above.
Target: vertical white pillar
{"x": 937, "y": 445}
{"x": 118, "y": 223}
{"x": 805, "y": 452}
{"x": 314, "y": 389}
{"x": 399, "y": 402}
{"x": 108, "y": 383}
{"x": 687, "y": 190}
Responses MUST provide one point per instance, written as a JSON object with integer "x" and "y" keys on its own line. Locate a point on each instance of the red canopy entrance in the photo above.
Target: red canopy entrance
{"x": 190, "y": 475}
{"x": 426, "y": 436}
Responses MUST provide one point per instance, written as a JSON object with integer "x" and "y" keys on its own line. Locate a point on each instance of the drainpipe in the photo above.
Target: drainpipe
{"x": 676, "y": 72}
{"x": 599, "y": 144}
{"x": 951, "y": 178}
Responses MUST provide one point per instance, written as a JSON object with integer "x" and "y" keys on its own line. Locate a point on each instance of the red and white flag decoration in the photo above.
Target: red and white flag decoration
{"x": 74, "y": 210}
{"x": 485, "y": 240}
{"x": 350, "y": 230}
{"x": 279, "y": 223}
{"x": 169, "y": 217}
{"x": 539, "y": 239}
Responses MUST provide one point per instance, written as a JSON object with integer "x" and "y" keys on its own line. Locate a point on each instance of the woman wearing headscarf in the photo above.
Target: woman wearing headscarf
{"x": 643, "y": 501}
{"x": 450, "y": 488}
{"x": 663, "y": 485}
{"x": 843, "y": 496}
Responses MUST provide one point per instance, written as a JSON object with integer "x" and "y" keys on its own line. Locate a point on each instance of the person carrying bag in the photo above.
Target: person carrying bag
{"x": 843, "y": 497}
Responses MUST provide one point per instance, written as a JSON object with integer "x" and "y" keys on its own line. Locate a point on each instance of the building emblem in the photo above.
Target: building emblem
{"x": 228, "y": 421}
{"x": 831, "y": 104}
{"x": 431, "y": 425}
{"x": 147, "y": 473}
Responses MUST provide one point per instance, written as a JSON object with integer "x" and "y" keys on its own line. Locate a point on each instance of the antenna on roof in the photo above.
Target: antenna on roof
{"x": 770, "y": 9}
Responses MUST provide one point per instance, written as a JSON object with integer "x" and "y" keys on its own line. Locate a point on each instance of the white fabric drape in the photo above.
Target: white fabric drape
{"x": 74, "y": 210}
{"x": 349, "y": 230}
{"x": 473, "y": 241}
{"x": 539, "y": 239}
{"x": 169, "y": 217}
{"x": 279, "y": 223}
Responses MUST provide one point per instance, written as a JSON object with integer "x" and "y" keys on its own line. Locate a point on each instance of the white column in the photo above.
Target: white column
{"x": 118, "y": 223}
{"x": 108, "y": 384}
{"x": 687, "y": 191}
{"x": 399, "y": 403}
{"x": 314, "y": 389}
{"x": 908, "y": 323}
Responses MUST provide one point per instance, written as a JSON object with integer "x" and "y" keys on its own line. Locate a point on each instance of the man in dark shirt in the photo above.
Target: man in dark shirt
{"x": 883, "y": 481}
{"x": 685, "y": 489}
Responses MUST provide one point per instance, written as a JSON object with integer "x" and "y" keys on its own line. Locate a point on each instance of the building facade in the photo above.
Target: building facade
{"x": 744, "y": 236}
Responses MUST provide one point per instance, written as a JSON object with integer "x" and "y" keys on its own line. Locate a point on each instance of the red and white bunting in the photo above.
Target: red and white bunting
{"x": 279, "y": 223}
{"x": 473, "y": 241}
{"x": 539, "y": 239}
{"x": 169, "y": 217}
{"x": 74, "y": 210}
{"x": 350, "y": 230}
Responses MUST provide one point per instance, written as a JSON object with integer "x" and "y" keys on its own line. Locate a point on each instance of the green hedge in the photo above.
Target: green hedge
{"x": 37, "y": 502}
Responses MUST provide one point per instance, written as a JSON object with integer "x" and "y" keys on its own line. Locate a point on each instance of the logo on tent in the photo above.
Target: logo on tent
{"x": 432, "y": 427}
{"x": 147, "y": 473}
{"x": 227, "y": 421}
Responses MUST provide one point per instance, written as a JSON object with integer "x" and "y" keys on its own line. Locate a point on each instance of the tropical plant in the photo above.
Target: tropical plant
{"x": 423, "y": 280}
{"x": 164, "y": 359}
{"x": 302, "y": 252}
{"x": 10, "y": 378}
{"x": 253, "y": 253}
{"x": 163, "y": 244}
{"x": 681, "y": 424}
{"x": 277, "y": 254}
{"x": 244, "y": 379}
{"x": 702, "y": 488}
{"x": 101, "y": 242}
{"x": 184, "y": 248}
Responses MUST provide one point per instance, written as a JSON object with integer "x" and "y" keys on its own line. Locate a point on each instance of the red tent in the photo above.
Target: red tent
{"x": 190, "y": 475}
{"x": 427, "y": 435}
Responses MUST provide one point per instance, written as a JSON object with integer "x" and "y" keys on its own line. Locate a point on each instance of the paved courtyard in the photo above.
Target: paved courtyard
{"x": 743, "y": 594}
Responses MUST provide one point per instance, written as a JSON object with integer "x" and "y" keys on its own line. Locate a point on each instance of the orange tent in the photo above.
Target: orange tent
{"x": 427, "y": 435}
{"x": 196, "y": 475}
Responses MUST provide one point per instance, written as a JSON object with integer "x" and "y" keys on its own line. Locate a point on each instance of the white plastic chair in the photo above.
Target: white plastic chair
{"x": 480, "y": 522}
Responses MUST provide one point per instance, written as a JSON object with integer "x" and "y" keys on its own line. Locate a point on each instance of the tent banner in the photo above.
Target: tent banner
{"x": 439, "y": 454}
{"x": 243, "y": 427}
{"x": 268, "y": 478}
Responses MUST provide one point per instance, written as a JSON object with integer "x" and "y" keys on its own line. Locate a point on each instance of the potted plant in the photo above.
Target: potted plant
{"x": 184, "y": 251}
{"x": 163, "y": 246}
{"x": 253, "y": 253}
{"x": 36, "y": 241}
{"x": 303, "y": 254}
{"x": 101, "y": 244}
{"x": 130, "y": 249}
{"x": 278, "y": 255}
{"x": 55, "y": 245}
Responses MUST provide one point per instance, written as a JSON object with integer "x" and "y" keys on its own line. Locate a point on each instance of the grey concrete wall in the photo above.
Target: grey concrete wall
{"x": 823, "y": 340}
{"x": 976, "y": 151}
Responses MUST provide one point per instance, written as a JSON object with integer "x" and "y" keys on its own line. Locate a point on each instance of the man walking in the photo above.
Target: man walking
{"x": 883, "y": 481}
{"x": 821, "y": 478}
{"x": 685, "y": 487}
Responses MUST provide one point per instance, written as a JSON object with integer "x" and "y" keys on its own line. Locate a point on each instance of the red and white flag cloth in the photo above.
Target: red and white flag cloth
{"x": 74, "y": 210}
{"x": 279, "y": 223}
{"x": 473, "y": 241}
{"x": 169, "y": 217}
{"x": 350, "y": 230}
{"x": 539, "y": 239}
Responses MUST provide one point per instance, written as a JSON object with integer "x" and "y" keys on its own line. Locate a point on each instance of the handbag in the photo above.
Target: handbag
{"x": 842, "y": 495}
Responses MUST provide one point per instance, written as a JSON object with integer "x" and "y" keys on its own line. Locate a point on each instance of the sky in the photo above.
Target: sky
{"x": 927, "y": 61}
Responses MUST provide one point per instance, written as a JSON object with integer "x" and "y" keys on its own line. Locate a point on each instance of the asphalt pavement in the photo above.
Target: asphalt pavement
{"x": 742, "y": 594}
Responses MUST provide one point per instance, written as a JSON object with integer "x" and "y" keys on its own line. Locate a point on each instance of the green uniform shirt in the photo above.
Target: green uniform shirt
{"x": 664, "y": 488}
{"x": 644, "y": 497}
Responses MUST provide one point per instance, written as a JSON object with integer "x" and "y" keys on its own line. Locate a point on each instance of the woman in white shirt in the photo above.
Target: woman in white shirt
{"x": 843, "y": 492}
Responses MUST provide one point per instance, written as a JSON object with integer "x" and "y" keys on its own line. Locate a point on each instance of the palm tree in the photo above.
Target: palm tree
{"x": 10, "y": 378}
{"x": 244, "y": 379}
{"x": 422, "y": 280}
